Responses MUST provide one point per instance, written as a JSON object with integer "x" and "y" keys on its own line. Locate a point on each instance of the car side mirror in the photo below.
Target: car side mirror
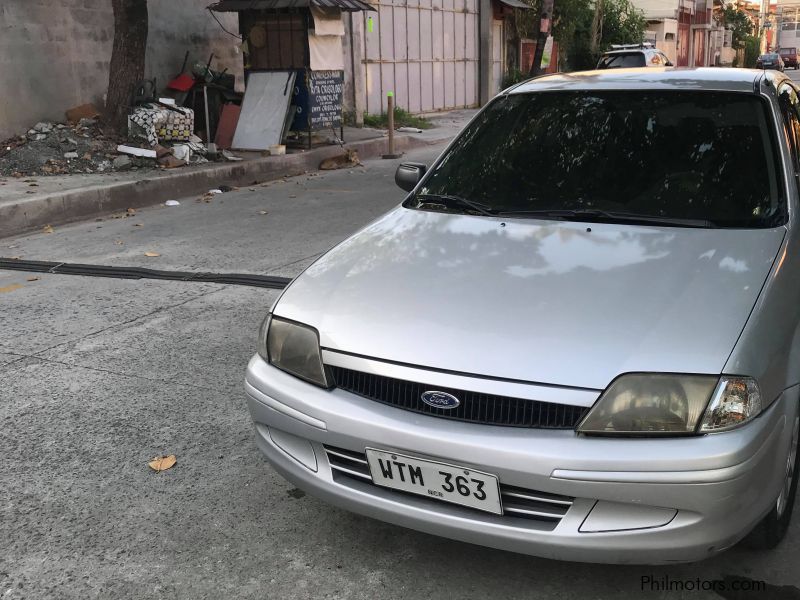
{"x": 409, "y": 174}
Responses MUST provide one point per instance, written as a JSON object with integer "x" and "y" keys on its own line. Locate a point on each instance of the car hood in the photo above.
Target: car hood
{"x": 552, "y": 302}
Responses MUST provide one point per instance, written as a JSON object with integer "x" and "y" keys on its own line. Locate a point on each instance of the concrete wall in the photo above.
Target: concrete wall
{"x": 54, "y": 54}
{"x": 665, "y": 32}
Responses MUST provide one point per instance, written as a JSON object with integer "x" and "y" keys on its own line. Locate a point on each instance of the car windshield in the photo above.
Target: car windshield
{"x": 678, "y": 155}
{"x": 788, "y": 51}
{"x": 769, "y": 57}
{"x": 625, "y": 60}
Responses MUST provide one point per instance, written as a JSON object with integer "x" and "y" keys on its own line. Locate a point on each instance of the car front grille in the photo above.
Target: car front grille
{"x": 517, "y": 502}
{"x": 475, "y": 407}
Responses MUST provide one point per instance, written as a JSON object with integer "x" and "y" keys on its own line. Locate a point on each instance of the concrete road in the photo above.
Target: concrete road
{"x": 97, "y": 376}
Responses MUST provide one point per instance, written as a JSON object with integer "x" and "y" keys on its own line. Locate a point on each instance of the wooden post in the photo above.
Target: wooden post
{"x": 390, "y": 108}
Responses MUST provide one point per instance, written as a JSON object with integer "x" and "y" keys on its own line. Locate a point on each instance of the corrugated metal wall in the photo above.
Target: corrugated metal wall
{"x": 425, "y": 51}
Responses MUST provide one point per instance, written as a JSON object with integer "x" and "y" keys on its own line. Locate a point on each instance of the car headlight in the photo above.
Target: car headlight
{"x": 293, "y": 348}
{"x": 653, "y": 404}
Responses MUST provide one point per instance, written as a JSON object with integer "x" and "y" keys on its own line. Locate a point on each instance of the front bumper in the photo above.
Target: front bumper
{"x": 713, "y": 489}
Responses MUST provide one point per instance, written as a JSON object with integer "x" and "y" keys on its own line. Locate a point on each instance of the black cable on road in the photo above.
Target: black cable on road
{"x": 62, "y": 268}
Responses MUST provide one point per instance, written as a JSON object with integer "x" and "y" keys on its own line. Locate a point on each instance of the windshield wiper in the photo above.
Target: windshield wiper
{"x": 450, "y": 201}
{"x": 603, "y": 216}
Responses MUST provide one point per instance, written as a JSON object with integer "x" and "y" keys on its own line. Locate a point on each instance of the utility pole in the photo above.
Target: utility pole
{"x": 545, "y": 19}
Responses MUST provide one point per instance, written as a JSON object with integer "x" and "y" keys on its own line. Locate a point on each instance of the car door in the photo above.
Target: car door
{"x": 789, "y": 102}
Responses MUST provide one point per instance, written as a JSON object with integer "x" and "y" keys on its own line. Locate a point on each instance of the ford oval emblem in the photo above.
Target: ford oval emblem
{"x": 440, "y": 400}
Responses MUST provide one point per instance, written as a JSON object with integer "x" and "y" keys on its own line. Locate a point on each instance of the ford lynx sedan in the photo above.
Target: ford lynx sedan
{"x": 576, "y": 338}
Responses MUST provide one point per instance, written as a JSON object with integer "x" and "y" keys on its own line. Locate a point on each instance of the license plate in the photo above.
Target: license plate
{"x": 440, "y": 481}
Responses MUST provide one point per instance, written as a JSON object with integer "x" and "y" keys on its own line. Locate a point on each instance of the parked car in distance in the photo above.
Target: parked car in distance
{"x": 771, "y": 60}
{"x": 578, "y": 336}
{"x": 631, "y": 56}
{"x": 789, "y": 57}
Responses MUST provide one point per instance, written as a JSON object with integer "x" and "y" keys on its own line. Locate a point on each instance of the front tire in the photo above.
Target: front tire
{"x": 772, "y": 528}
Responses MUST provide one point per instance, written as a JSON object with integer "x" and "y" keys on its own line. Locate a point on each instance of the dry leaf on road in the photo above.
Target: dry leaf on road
{"x": 47, "y": 229}
{"x": 162, "y": 463}
{"x": 152, "y": 254}
{"x": 32, "y": 279}
{"x": 262, "y": 212}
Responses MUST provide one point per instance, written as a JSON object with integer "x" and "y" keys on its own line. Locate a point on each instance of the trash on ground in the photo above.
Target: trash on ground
{"x": 277, "y": 150}
{"x": 122, "y": 163}
{"x": 228, "y": 155}
{"x": 84, "y": 111}
{"x": 215, "y": 191}
{"x": 162, "y": 463}
{"x": 133, "y": 151}
{"x": 47, "y": 229}
{"x": 409, "y": 129}
{"x": 157, "y": 120}
{"x": 32, "y": 278}
{"x": 172, "y": 203}
{"x": 151, "y": 254}
{"x": 168, "y": 161}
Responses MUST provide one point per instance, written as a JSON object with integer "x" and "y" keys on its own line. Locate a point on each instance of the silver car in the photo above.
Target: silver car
{"x": 576, "y": 338}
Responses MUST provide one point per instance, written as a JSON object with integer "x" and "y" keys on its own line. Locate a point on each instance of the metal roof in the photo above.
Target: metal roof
{"x": 516, "y": 4}
{"x": 240, "y": 5}
{"x": 649, "y": 78}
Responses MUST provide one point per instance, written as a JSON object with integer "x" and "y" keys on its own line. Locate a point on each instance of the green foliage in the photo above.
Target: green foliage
{"x": 513, "y": 77}
{"x": 623, "y": 23}
{"x": 752, "y": 47}
{"x": 402, "y": 118}
{"x": 572, "y": 28}
{"x": 740, "y": 24}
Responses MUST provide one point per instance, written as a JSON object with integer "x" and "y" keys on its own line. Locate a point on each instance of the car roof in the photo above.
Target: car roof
{"x": 631, "y": 51}
{"x": 658, "y": 78}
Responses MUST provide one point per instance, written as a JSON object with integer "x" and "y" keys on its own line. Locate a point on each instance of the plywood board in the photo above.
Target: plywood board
{"x": 265, "y": 110}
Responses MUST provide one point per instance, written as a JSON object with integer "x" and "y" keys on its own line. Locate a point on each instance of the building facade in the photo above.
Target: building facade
{"x": 686, "y": 32}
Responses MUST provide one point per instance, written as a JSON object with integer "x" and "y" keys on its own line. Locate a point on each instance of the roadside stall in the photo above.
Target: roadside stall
{"x": 294, "y": 68}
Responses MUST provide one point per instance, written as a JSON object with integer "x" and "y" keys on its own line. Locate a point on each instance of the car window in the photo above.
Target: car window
{"x": 675, "y": 154}
{"x": 790, "y": 111}
{"x": 622, "y": 61}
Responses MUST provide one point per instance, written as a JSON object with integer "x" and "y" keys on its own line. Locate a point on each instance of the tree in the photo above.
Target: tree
{"x": 545, "y": 21}
{"x": 739, "y": 22}
{"x": 599, "y": 25}
{"x": 619, "y": 22}
{"x": 127, "y": 59}
{"x": 622, "y": 23}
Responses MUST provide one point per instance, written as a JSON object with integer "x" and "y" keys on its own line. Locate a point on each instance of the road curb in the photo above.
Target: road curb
{"x": 82, "y": 203}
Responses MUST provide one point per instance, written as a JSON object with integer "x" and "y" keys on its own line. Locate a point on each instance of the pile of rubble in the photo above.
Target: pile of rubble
{"x": 60, "y": 148}
{"x": 82, "y": 147}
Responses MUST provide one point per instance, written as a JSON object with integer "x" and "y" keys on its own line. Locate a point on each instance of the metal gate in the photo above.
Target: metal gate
{"x": 424, "y": 51}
